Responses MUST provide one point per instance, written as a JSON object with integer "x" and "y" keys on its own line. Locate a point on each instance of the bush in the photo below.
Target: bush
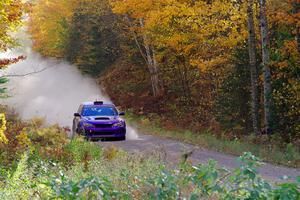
{"x": 46, "y": 142}
{"x": 81, "y": 151}
{"x": 130, "y": 177}
{"x": 49, "y": 166}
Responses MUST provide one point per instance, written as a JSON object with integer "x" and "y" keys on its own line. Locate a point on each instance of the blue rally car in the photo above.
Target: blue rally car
{"x": 96, "y": 120}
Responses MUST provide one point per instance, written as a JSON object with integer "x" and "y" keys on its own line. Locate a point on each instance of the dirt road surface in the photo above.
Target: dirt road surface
{"x": 174, "y": 150}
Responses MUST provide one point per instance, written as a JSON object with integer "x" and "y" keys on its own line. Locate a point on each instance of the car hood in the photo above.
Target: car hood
{"x": 102, "y": 119}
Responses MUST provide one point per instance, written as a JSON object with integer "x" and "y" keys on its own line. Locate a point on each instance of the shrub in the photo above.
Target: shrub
{"x": 43, "y": 164}
{"x": 89, "y": 188}
{"x": 82, "y": 151}
{"x": 46, "y": 142}
{"x": 3, "y": 138}
{"x": 132, "y": 177}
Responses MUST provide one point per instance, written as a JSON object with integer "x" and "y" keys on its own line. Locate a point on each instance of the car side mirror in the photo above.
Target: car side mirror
{"x": 77, "y": 115}
{"x": 122, "y": 113}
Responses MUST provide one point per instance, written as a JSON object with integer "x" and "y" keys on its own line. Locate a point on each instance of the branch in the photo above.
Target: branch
{"x": 8, "y": 61}
{"x": 224, "y": 177}
{"x": 27, "y": 74}
{"x": 136, "y": 39}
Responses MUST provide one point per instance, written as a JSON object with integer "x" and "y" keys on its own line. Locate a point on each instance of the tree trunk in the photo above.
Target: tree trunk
{"x": 135, "y": 36}
{"x": 266, "y": 66}
{"x": 156, "y": 89}
{"x": 152, "y": 63}
{"x": 253, "y": 67}
{"x": 298, "y": 39}
{"x": 148, "y": 56}
{"x": 296, "y": 5}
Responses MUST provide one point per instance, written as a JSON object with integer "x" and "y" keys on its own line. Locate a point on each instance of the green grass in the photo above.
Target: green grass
{"x": 114, "y": 174}
{"x": 111, "y": 169}
{"x": 289, "y": 156}
{"x": 51, "y": 166}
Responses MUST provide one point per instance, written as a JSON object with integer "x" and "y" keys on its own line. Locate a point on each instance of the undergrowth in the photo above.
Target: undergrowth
{"x": 42, "y": 163}
{"x": 138, "y": 177}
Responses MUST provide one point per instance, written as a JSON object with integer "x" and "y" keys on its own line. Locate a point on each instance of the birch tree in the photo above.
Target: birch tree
{"x": 296, "y": 5}
{"x": 253, "y": 67}
{"x": 266, "y": 66}
{"x": 135, "y": 12}
{"x": 151, "y": 62}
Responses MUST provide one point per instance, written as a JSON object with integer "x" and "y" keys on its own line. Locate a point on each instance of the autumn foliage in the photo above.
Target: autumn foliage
{"x": 11, "y": 12}
{"x": 181, "y": 64}
{"x": 9, "y": 61}
{"x": 17, "y": 137}
{"x": 183, "y": 61}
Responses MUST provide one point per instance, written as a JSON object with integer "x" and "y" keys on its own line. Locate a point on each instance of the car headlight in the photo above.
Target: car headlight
{"x": 119, "y": 124}
{"x": 88, "y": 125}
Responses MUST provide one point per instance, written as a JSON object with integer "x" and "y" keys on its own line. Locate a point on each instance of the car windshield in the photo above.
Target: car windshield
{"x": 99, "y": 111}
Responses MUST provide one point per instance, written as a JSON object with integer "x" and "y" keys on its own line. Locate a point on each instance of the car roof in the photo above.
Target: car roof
{"x": 92, "y": 104}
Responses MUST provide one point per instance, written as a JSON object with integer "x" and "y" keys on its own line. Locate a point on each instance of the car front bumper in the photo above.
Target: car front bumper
{"x": 105, "y": 132}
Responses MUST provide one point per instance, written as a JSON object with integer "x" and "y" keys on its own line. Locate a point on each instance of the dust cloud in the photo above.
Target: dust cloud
{"x": 54, "y": 91}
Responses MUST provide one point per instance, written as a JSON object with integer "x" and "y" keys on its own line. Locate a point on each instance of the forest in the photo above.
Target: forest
{"x": 224, "y": 70}
{"x": 229, "y": 66}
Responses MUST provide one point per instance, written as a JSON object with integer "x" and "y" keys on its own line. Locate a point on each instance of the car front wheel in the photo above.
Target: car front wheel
{"x": 123, "y": 138}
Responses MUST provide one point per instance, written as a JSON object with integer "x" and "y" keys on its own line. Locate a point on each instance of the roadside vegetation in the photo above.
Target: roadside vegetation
{"x": 40, "y": 162}
{"x": 288, "y": 156}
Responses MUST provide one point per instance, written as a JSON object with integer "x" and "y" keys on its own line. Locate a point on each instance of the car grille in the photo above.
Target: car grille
{"x": 103, "y": 133}
{"x": 102, "y": 118}
{"x": 103, "y": 125}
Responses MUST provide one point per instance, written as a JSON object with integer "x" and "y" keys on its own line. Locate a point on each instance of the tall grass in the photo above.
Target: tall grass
{"x": 50, "y": 166}
{"x": 136, "y": 176}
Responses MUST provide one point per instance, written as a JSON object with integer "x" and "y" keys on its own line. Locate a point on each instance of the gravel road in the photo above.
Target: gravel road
{"x": 174, "y": 149}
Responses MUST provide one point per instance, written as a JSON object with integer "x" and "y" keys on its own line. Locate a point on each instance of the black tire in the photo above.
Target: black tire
{"x": 123, "y": 138}
{"x": 80, "y": 131}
